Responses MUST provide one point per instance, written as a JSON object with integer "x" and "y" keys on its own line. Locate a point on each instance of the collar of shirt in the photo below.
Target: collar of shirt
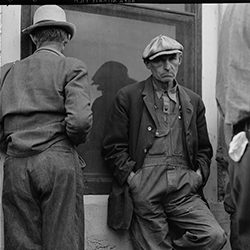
{"x": 171, "y": 93}
{"x": 52, "y": 50}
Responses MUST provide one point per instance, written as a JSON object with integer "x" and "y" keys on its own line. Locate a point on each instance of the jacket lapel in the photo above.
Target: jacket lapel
{"x": 148, "y": 98}
{"x": 187, "y": 107}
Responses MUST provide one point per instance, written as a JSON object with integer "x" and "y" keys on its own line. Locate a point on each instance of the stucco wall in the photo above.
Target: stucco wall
{"x": 98, "y": 235}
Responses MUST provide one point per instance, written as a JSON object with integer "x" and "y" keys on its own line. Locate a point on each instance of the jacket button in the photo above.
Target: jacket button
{"x": 149, "y": 128}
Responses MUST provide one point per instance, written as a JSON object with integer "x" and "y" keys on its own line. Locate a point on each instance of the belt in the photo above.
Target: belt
{"x": 243, "y": 125}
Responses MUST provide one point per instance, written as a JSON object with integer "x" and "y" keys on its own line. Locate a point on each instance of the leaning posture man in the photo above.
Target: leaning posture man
{"x": 156, "y": 145}
{"x": 44, "y": 113}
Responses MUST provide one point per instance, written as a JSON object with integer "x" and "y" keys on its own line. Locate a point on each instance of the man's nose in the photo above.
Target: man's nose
{"x": 167, "y": 64}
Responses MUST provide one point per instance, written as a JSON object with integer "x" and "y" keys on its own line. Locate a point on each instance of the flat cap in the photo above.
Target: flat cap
{"x": 161, "y": 45}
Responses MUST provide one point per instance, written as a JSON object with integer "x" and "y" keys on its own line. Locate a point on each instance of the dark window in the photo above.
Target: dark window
{"x": 110, "y": 39}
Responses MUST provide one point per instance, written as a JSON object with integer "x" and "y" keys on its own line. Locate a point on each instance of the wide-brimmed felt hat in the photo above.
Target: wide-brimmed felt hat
{"x": 161, "y": 45}
{"x": 51, "y": 15}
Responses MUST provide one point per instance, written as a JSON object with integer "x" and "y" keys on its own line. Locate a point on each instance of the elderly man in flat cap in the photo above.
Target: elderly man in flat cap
{"x": 156, "y": 145}
{"x": 44, "y": 113}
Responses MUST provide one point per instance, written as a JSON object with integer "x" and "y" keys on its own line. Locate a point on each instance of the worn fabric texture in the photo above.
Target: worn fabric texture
{"x": 123, "y": 153}
{"x": 44, "y": 98}
{"x": 232, "y": 95}
{"x": 43, "y": 201}
{"x": 168, "y": 212}
{"x": 239, "y": 173}
{"x": 44, "y": 114}
{"x": 233, "y": 72}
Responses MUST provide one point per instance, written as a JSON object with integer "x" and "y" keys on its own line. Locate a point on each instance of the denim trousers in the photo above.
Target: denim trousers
{"x": 43, "y": 201}
{"x": 165, "y": 200}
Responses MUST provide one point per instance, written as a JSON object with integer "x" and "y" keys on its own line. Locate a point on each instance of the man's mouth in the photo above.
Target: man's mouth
{"x": 167, "y": 75}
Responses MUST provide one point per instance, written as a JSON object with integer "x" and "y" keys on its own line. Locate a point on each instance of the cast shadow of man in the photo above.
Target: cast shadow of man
{"x": 109, "y": 78}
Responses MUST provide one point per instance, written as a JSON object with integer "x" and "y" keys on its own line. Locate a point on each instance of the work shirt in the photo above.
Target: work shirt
{"x": 168, "y": 137}
{"x": 44, "y": 99}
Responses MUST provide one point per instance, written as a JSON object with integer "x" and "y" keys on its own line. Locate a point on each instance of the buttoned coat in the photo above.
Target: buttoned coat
{"x": 130, "y": 132}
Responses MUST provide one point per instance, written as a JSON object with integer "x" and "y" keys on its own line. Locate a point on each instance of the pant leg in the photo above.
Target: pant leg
{"x": 234, "y": 235}
{"x": 239, "y": 173}
{"x": 230, "y": 208}
{"x": 62, "y": 205}
{"x": 161, "y": 195}
{"x": 22, "y": 217}
{"x": 46, "y": 196}
{"x": 201, "y": 230}
{"x": 188, "y": 212}
{"x": 149, "y": 227}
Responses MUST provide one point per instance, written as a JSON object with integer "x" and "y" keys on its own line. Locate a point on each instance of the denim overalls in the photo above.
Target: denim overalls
{"x": 164, "y": 192}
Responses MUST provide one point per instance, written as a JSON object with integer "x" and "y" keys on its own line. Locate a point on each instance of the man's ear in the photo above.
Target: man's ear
{"x": 180, "y": 59}
{"x": 65, "y": 42}
{"x": 148, "y": 64}
{"x": 33, "y": 39}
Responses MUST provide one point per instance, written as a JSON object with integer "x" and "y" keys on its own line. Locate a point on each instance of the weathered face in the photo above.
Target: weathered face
{"x": 165, "y": 68}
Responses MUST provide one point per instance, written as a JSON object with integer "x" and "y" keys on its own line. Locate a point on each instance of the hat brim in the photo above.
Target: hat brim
{"x": 69, "y": 27}
{"x": 165, "y": 52}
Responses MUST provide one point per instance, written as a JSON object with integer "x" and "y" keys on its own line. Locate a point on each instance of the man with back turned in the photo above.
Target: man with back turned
{"x": 44, "y": 114}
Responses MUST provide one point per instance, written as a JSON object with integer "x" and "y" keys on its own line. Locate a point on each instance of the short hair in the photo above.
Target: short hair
{"x": 49, "y": 34}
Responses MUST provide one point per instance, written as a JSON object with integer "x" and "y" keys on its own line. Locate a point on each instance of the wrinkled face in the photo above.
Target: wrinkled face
{"x": 165, "y": 68}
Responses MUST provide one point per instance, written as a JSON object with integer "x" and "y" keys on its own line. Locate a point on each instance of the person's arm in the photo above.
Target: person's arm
{"x": 77, "y": 103}
{"x": 116, "y": 139}
{"x": 4, "y": 70}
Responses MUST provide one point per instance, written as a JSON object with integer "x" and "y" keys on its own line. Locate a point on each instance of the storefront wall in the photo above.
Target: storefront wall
{"x": 98, "y": 235}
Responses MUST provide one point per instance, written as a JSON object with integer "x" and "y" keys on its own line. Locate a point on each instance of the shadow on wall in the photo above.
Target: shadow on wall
{"x": 109, "y": 78}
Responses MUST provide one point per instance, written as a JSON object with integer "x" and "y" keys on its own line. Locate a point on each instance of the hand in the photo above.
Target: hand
{"x": 131, "y": 175}
{"x": 198, "y": 171}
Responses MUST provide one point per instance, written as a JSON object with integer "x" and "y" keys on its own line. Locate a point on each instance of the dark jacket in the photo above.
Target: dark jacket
{"x": 130, "y": 132}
